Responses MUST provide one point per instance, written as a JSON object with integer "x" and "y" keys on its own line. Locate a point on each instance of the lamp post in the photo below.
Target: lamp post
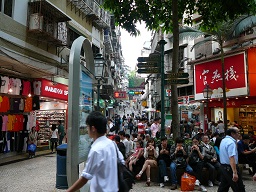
{"x": 99, "y": 74}
{"x": 162, "y": 42}
{"x": 207, "y": 92}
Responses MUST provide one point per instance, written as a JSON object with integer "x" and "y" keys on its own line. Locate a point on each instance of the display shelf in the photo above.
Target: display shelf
{"x": 247, "y": 118}
{"x": 45, "y": 119}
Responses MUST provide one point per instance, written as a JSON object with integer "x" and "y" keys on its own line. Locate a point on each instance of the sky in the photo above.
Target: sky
{"x": 132, "y": 46}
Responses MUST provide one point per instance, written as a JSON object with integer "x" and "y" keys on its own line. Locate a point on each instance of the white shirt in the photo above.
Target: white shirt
{"x": 109, "y": 127}
{"x": 154, "y": 128}
{"x": 127, "y": 146}
{"x": 101, "y": 166}
{"x": 54, "y": 134}
{"x": 5, "y": 84}
{"x": 37, "y": 87}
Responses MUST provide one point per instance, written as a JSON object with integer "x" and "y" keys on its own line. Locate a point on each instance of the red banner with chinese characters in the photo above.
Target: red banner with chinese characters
{"x": 54, "y": 90}
{"x": 210, "y": 73}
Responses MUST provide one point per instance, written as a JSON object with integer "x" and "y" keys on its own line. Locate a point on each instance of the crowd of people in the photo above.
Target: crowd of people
{"x": 137, "y": 142}
{"x": 141, "y": 152}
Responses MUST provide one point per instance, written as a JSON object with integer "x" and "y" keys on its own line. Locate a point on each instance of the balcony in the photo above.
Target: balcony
{"x": 108, "y": 42}
{"x": 91, "y": 10}
{"x": 46, "y": 22}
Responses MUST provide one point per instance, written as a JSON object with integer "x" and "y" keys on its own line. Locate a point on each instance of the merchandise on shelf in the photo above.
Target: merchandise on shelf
{"x": 247, "y": 119}
{"x": 45, "y": 120}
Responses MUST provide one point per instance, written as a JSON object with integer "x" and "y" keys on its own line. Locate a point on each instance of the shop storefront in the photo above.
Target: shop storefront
{"x": 25, "y": 104}
{"x": 240, "y": 76}
{"x": 53, "y": 107}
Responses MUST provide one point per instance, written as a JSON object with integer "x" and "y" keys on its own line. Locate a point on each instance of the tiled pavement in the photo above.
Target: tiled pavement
{"x": 39, "y": 175}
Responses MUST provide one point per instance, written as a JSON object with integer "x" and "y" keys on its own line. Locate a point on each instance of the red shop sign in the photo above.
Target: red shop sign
{"x": 210, "y": 73}
{"x": 52, "y": 90}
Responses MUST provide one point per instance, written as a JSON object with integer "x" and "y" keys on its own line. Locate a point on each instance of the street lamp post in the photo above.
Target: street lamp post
{"x": 99, "y": 74}
{"x": 162, "y": 42}
{"x": 207, "y": 92}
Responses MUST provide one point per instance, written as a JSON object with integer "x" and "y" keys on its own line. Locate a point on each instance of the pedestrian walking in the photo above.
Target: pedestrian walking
{"x": 32, "y": 140}
{"x": 54, "y": 137}
{"x": 61, "y": 131}
{"x": 97, "y": 169}
{"x": 229, "y": 163}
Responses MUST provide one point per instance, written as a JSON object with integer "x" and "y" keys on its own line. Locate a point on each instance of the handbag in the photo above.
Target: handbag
{"x": 187, "y": 182}
{"x": 32, "y": 147}
{"x": 125, "y": 176}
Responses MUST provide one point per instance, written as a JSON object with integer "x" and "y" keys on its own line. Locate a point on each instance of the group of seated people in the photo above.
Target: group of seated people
{"x": 143, "y": 153}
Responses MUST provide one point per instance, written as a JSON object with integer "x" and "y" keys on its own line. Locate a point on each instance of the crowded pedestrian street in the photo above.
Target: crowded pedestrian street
{"x": 39, "y": 175}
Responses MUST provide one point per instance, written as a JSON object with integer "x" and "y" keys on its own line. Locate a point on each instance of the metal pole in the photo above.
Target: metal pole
{"x": 98, "y": 95}
{"x": 162, "y": 43}
{"x": 207, "y": 100}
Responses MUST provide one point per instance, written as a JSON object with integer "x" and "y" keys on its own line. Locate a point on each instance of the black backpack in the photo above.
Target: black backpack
{"x": 125, "y": 176}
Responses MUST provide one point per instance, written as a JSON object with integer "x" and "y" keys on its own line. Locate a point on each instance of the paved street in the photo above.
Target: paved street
{"x": 39, "y": 175}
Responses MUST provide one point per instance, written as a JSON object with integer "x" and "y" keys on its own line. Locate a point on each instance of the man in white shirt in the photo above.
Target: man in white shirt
{"x": 101, "y": 159}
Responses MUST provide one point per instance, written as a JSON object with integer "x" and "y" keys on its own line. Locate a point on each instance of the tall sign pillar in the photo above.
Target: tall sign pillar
{"x": 79, "y": 106}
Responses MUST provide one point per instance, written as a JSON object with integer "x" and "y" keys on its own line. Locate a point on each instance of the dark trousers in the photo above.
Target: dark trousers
{"x": 162, "y": 170}
{"x": 197, "y": 170}
{"x": 54, "y": 141}
{"x": 248, "y": 159}
{"x": 61, "y": 139}
{"x": 212, "y": 166}
{"x": 226, "y": 180}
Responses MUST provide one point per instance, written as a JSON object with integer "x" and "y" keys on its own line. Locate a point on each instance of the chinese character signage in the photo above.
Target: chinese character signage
{"x": 210, "y": 73}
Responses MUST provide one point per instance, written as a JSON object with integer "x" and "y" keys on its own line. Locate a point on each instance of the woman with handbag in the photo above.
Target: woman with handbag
{"x": 54, "y": 137}
{"x": 32, "y": 142}
{"x": 151, "y": 153}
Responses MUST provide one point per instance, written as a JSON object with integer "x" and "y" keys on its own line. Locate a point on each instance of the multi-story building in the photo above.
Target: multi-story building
{"x": 35, "y": 41}
{"x": 203, "y": 64}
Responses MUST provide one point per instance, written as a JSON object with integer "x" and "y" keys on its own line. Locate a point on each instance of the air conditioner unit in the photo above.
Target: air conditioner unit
{"x": 36, "y": 22}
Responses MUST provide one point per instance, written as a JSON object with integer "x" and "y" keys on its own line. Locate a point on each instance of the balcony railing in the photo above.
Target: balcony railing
{"x": 47, "y": 22}
{"x": 92, "y": 11}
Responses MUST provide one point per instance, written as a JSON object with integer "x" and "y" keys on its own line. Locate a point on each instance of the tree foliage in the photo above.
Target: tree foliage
{"x": 158, "y": 13}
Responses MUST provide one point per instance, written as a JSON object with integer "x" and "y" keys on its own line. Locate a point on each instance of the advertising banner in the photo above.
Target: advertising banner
{"x": 210, "y": 73}
{"x": 54, "y": 90}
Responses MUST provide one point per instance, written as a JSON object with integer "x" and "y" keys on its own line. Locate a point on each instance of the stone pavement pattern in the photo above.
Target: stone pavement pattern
{"x": 39, "y": 175}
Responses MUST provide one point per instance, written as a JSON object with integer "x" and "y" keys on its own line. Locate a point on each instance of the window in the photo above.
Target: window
{"x": 72, "y": 35}
{"x": 6, "y": 7}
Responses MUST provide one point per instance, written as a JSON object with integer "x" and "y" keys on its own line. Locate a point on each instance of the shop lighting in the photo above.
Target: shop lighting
{"x": 227, "y": 99}
{"x": 246, "y": 97}
{"x": 10, "y": 90}
{"x": 236, "y": 97}
{"x": 29, "y": 95}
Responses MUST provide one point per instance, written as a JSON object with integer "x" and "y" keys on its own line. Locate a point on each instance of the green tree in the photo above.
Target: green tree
{"x": 167, "y": 14}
